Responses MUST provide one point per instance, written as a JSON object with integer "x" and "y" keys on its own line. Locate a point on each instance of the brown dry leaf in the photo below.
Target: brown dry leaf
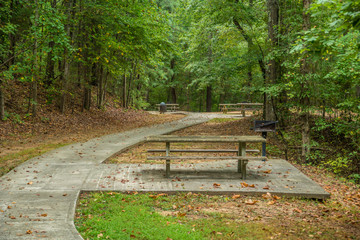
{"x": 244, "y": 184}
{"x": 266, "y": 196}
{"x": 251, "y": 202}
{"x": 100, "y": 235}
{"x": 181, "y": 214}
{"x": 29, "y": 183}
{"x": 12, "y": 217}
{"x": 266, "y": 187}
{"x": 216, "y": 185}
{"x": 252, "y": 185}
{"x": 271, "y": 202}
{"x": 276, "y": 197}
{"x": 235, "y": 196}
{"x": 65, "y": 194}
{"x": 28, "y": 232}
{"x": 152, "y": 196}
{"x": 297, "y": 210}
{"x": 9, "y": 207}
{"x": 267, "y": 171}
{"x": 44, "y": 215}
{"x": 161, "y": 194}
{"x": 132, "y": 236}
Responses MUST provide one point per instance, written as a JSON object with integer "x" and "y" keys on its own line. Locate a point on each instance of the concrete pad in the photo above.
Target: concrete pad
{"x": 276, "y": 176}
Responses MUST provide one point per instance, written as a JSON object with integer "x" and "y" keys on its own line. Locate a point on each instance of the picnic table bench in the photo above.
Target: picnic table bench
{"x": 241, "y": 151}
{"x": 171, "y": 107}
{"x": 243, "y": 107}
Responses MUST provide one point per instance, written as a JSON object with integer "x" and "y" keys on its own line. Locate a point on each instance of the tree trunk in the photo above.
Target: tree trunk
{"x": 50, "y": 63}
{"x": 305, "y": 101}
{"x": 36, "y": 65}
{"x": 66, "y": 76}
{"x": 208, "y": 98}
{"x": 124, "y": 98}
{"x": 100, "y": 88}
{"x": 2, "y": 103}
{"x": 172, "y": 90}
{"x": 173, "y": 97}
{"x": 274, "y": 65}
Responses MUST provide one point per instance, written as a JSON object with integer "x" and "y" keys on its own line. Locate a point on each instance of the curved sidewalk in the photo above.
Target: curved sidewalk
{"x": 38, "y": 198}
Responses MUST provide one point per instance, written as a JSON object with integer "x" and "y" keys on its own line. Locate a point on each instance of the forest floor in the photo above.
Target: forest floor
{"x": 334, "y": 218}
{"x": 20, "y": 141}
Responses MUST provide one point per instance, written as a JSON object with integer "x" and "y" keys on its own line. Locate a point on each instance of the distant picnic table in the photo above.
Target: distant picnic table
{"x": 171, "y": 107}
{"x": 243, "y": 107}
{"x": 241, "y": 151}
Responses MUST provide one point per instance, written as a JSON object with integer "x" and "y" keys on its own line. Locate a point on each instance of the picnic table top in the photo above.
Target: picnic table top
{"x": 169, "y": 104}
{"x": 243, "y": 104}
{"x": 175, "y": 138}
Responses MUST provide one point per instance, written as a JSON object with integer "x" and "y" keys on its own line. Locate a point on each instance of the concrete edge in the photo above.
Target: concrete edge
{"x": 310, "y": 196}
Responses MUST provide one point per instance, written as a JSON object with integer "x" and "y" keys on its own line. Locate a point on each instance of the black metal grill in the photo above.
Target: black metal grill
{"x": 264, "y": 126}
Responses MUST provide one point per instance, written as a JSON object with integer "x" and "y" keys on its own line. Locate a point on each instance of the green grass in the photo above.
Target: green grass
{"x": 12, "y": 160}
{"x": 124, "y": 216}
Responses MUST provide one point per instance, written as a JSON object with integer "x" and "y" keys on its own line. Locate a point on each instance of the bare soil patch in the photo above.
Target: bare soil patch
{"x": 22, "y": 141}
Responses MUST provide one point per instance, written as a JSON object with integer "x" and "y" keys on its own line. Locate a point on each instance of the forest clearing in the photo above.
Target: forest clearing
{"x": 78, "y": 75}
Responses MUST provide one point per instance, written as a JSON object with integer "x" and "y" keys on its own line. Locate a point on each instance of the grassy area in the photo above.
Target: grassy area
{"x": 145, "y": 216}
{"x": 12, "y": 160}
{"x": 110, "y": 215}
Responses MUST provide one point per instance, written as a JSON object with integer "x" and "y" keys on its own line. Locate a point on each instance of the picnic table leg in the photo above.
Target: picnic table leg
{"x": 167, "y": 174}
{"x": 241, "y": 152}
{"x": 244, "y": 163}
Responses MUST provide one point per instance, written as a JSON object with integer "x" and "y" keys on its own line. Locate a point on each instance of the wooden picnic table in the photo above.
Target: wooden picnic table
{"x": 171, "y": 107}
{"x": 243, "y": 107}
{"x": 241, "y": 151}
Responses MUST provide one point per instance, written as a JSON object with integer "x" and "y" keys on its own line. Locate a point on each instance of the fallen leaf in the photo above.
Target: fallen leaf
{"x": 271, "y": 202}
{"x": 44, "y": 215}
{"x": 235, "y": 196}
{"x": 29, "y": 183}
{"x": 252, "y": 185}
{"x": 152, "y": 196}
{"x": 251, "y": 202}
{"x": 12, "y": 217}
{"x": 276, "y": 197}
{"x": 244, "y": 184}
{"x": 28, "y": 232}
{"x": 266, "y": 196}
{"x": 267, "y": 171}
{"x": 181, "y": 214}
{"x": 162, "y": 194}
{"x": 9, "y": 207}
{"x": 297, "y": 210}
{"x": 216, "y": 185}
{"x": 266, "y": 187}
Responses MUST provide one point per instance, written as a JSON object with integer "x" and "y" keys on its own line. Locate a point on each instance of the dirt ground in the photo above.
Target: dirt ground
{"x": 20, "y": 142}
